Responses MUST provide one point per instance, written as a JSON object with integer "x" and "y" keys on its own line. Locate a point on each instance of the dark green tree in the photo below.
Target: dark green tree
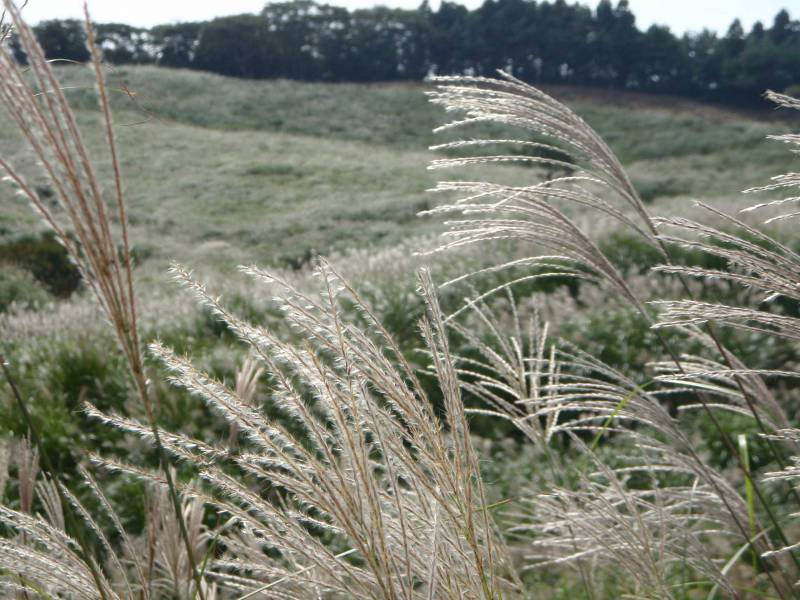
{"x": 542, "y": 41}
{"x": 448, "y": 41}
{"x": 616, "y": 43}
{"x": 662, "y": 64}
{"x": 176, "y": 44}
{"x": 125, "y": 44}
{"x": 241, "y": 46}
{"x": 63, "y": 39}
{"x": 291, "y": 28}
{"x": 704, "y": 63}
{"x": 781, "y": 27}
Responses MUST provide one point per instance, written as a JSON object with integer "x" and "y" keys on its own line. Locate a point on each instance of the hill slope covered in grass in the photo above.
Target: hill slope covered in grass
{"x": 220, "y": 172}
{"x": 228, "y": 170}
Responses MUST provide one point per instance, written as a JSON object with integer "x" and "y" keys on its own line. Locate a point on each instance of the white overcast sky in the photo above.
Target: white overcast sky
{"x": 679, "y": 15}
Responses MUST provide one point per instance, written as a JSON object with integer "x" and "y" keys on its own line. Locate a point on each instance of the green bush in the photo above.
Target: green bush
{"x": 45, "y": 259}
{"x": 55, "y": 381}
{"x": 650, "y": 189}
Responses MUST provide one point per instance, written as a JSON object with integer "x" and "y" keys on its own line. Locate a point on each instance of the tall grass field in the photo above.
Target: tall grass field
{"x": 460, "y": 339}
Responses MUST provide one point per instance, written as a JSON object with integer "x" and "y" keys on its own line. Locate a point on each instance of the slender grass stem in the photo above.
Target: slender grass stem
{"x": 72, "y": 526}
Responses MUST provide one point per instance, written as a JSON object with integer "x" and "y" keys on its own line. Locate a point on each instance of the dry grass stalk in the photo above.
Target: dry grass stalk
{"x": 36, "y": 103}
{"x": 770, "y": 270}
{"x": 534, "y": 216}
{"x": 245, "y": 387}
{"x": 555, "y": 392}
{"x": 366, "y": 466}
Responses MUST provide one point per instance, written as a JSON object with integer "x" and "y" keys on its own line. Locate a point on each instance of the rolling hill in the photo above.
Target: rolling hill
{"x": 222, "y": 171}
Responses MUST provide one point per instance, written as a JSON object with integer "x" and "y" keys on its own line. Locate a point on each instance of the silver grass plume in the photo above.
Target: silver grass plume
{"x": 767, "y": 269}
{"x": 246, "y": 384}
{"x": 169, "y": 568}
{"x": 101, "y": 248}
{"x": 770, "y": 270}
{"x": 788, "y": 181}
{"x": 536, "y": 215}
{"x": 594, "y": 516}
{"x": 756, "y": 261}
{"x": 377, "y": 497}
{"x": 43, "y": 560}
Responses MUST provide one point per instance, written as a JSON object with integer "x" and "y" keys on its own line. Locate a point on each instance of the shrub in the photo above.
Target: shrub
{"x": 45, "y": 259}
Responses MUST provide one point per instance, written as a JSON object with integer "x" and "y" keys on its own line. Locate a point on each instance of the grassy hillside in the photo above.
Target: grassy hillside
{"x": 223, "y": 170}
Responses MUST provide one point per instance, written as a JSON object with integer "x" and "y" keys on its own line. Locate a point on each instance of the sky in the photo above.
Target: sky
{"x": 679, "y": 15}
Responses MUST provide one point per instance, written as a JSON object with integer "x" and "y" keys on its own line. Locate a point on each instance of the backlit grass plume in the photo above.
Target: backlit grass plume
{"x": 770, "y": 271}
{"x": 585, "y": 509}
{"x": 539, "y": 217}
{"x": 101, "y": 249}
{"x": 360, "y": 490}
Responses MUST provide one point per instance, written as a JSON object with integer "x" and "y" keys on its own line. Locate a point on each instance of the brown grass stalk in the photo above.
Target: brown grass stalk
{"x": 48, "y": 124}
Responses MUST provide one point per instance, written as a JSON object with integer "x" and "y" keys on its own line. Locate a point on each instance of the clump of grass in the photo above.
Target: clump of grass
{"x": 19, "y": 288}
{"x": 45, "y": 118}
{"x": 538, "y": 215}
{"x": 367, "y": 468}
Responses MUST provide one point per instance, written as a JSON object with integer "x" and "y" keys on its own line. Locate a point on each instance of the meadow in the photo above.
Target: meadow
{"x": 225, "y": 171}
{"x": 222, "y": 172}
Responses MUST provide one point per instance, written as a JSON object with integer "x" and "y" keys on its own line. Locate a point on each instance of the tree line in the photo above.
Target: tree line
{"x": 539, "y": 42}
